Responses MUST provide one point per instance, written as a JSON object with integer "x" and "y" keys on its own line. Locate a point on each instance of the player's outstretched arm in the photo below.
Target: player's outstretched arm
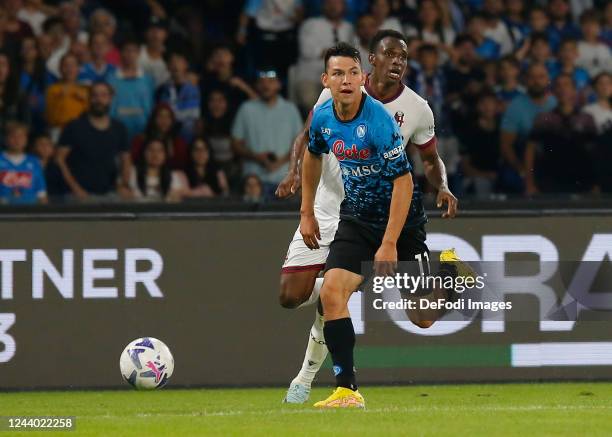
{"x": 386, "y": 256}
{"x": 291, "y": 182}
{"x": 435, "y": 172}
{"x": 309, "y": 227}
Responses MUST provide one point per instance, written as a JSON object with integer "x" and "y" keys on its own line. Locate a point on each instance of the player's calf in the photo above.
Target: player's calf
{"x": 296, "y": 288}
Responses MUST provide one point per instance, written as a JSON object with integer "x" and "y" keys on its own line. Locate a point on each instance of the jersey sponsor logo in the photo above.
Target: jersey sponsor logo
{"x": 394, "y": 153}
{"x": 399, "y": 118}
{"x": 16, "y": 179}
{"x": 343, "y": 153}
{"x": 361, "y": 130}
{"x": 326, "y": 131}
{"x": 364, "y": 170}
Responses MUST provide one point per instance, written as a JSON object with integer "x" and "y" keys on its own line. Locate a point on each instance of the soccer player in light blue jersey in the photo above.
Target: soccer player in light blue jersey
{"x": 378, "y": 190}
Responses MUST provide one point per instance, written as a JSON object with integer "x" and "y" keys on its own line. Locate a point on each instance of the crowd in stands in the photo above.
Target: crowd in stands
{"x": 170, "y": 100}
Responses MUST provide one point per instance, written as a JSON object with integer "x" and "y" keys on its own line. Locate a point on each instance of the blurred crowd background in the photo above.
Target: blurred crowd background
{"x": 175, "y": 100}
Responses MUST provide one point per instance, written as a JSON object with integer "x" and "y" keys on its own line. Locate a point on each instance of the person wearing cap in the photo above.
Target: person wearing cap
{"x": 262, "y": 130}
{"x": 151, "y": 58}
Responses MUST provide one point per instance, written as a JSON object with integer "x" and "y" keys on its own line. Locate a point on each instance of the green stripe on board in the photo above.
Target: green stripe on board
{"x": 380, "y": 357}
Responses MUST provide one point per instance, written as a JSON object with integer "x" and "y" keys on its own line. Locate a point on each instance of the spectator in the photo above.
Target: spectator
{"x": 152, "y": 180}
{"x": 182, "y": 96}
{"x": 103, "y": 21}
{"x": 162, "y": 126}
{"x": 33, "y": 82}
{"x": 66, "y": 99}
{"x": 561, "y": 26}
{"x": 252, "y": 191}
{"x": 516, "y": 126}
{"x": 433, "y": 25}
{"x": 486, "y": 47}
{"x": 593, "y": 55}
{"x": 134, "y": 89}
{"x": 274, "y": 31}
{"x": 601, "y": 109}
{"x": 218, "y": 126}
{"x": 315, "y": 36}
{"x": 508, "y": 71}
{"x": 15, "y": 28}
{"x": 58, "y": 41}
{"x": 205, "y": 178}
{"x": 429, "y": 81}
{"x": 561, "y": 136}
{"x": 496, "y": 28}
{"x": 7, "y": 45}
{"x": 479, "y": 141}
{"x": 91, "y": 146}
{"x": 515, "y": 21}
{"x": 21, "y": 177}
{"x": 44, "y": 150}
{"x": 568, "y": 55}
{"x": 381, "y": 10}
{"x": 464, "y": 80}
{"x": 71, "y": 16}
{"x": 220, "y": 75}
{"x": 366, "y": 29}
{"x": 98, "y": 70}
{"x": 12, "y": 105}
{"x": 606, "y": 33}
{"x": 32, "y": 13}
{"x": 539, "y": 21}
{"x": 540, "y": 53}
{"x": 151, "y": 58}
{"x": 264, "y": 129}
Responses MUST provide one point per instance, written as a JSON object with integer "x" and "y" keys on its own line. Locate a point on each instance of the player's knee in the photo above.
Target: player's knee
{"x": 331, "y": 298}
{"x": 288, "y": 298}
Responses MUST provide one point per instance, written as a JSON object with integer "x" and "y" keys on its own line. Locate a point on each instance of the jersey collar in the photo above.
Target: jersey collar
{"x": 363, "y": 99}
{"x": 371, "y": 92}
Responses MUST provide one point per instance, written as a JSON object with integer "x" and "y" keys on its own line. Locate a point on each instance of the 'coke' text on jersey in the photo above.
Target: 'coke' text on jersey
{"x": 371, "y": 154}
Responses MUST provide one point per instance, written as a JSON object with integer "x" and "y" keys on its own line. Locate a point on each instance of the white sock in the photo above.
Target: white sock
{"x": 314, "y": 296}
{"x": 316, "y": 352}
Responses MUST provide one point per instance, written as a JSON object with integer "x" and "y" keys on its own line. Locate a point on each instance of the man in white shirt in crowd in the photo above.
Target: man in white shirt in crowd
{"x": 315, "y": 36}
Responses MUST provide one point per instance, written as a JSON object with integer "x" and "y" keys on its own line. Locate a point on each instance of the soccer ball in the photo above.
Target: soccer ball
{"x": 146, "y": 363}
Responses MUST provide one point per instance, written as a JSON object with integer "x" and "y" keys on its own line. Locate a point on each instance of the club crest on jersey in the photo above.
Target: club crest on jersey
{"x": 399, "y": 118}
{"x": 361, "y": 130}
{"x": 343, "y": 153}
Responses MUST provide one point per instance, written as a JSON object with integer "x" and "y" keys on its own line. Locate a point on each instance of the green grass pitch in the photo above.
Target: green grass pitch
{"x": 563, "y": 409}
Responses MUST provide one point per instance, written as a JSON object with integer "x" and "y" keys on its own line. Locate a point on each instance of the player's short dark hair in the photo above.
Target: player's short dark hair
{"x": 344, "y": 50}
{"x": 386, "y": 33}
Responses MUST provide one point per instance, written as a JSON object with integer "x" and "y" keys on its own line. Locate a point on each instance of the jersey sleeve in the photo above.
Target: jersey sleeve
{"x": 317, "y": 143}
{"x": 323, "y": 97}
{"x": 425, "y": 132}
{"x": 389, "y": 145}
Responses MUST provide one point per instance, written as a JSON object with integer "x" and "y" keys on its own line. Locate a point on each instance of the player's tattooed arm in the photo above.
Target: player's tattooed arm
{"x": 292, "y": 181}
{"x": 435, "y": 172}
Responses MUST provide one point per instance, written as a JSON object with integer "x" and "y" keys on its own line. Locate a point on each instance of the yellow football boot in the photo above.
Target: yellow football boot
{"x": 342, "y": 398}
